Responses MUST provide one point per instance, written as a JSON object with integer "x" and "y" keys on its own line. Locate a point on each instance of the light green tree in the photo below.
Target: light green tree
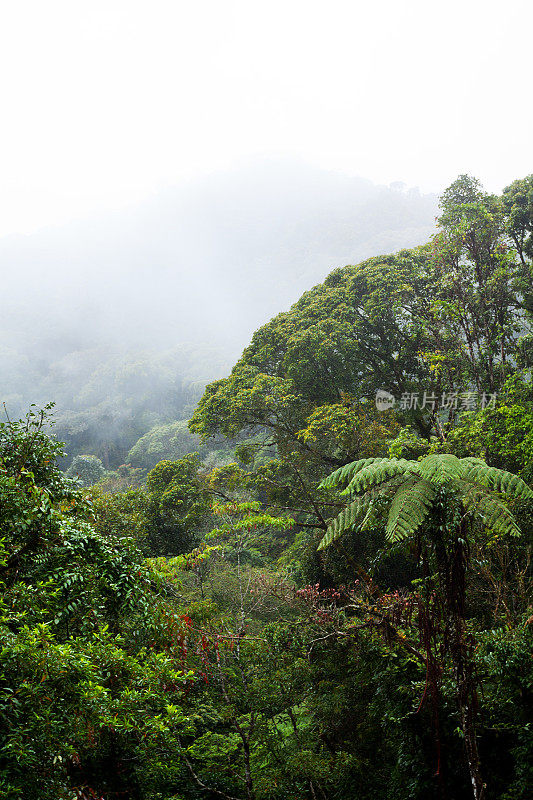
{"x": 89, "y": 469}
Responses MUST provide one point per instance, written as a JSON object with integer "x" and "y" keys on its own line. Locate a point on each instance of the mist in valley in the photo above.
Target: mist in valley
{"x": 123, "y": 318}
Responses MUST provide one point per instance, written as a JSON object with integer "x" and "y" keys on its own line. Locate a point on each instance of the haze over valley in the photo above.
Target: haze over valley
{"x": 123, "y": 318}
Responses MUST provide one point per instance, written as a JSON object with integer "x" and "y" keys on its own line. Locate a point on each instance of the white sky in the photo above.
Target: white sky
{"x": 105, "y": 101}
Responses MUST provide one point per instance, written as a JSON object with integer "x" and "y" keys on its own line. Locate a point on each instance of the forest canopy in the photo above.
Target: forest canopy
{"x": 319, "y": 589}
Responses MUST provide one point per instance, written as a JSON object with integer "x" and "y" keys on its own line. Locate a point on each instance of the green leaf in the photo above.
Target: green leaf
{"x": 343, "y": 475}
{"x": 409, "y": 508}
{"x": 498, "y": 480}
{"x": 441, "y": 468}
{"x": 377, "y": 473}
{"x": 498, "y": 518}
{"x": 345, "y": 520}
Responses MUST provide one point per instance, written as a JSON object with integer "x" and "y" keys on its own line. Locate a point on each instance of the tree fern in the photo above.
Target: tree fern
{"x": 460, "y": 491}
{"x": 495, "y": 515}
{"x": 415, "y": 485}
{"x": 498, "y": 480}
{"x": 442, "y": 467}
{"x": 346, "y": 520}
{"x": 351, "y": 515}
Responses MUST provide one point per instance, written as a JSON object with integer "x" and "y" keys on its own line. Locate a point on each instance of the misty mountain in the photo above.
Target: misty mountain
{"x": 184, "y": 279}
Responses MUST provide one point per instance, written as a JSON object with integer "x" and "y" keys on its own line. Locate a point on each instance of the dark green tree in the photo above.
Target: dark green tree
{"x": 91, "y": 679}
{"x": 444, "y": 501}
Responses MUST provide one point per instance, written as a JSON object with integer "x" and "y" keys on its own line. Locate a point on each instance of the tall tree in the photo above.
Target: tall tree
{"x": 444, "y": 501}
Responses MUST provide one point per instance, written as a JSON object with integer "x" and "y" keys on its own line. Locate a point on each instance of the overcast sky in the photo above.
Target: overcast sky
{"x": 104, "y": 102}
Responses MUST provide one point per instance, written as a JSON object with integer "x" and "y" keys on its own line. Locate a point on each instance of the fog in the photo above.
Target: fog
{"x": 207, "y": 261}
{"x": 199, "y": 163}
{"x": 104, "y": 102}
{"x": 127, "y": 315}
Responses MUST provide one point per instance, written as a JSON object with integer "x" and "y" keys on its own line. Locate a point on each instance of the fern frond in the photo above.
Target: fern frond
{"x": 498, "y": 480}
{"x": 442, "y": 467}
{"x": 378, "y": 472}
{"x": 343, "y": 475}
{"x": 409, "y": 508}
{"x": 345, "y": 520}
{"x": 496, "y": 516}
{"x": 351, "y": 515}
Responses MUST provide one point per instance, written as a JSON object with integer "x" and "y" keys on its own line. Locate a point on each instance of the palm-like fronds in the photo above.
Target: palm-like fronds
{"x": 342, "y": 476}
{"x": 494, "y": 513}
{"x": 409, "y": 508}
{"x": 352, "y": 516}
{"x": 374, "y": 474}
{"x": 346, "y": 520}
{"x": 416, "y": 484}
{"x": 441, "y": 468}
{"x": 498, "y": 480}
{"x": 497, "y": 517}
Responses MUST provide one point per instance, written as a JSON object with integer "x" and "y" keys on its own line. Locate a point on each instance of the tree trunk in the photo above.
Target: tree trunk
{"x": 452, "y": 571}
{"x": 462, "y": 660}
{"x": 464, "y": 681}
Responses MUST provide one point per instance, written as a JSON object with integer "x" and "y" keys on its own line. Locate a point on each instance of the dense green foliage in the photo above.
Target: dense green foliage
{"x": 165, "y": 442}
{"x": 443, "y": 499}
{"x": 344, "y": 610}
{"x": 88, "y": 469}
{"x": 89, "y": 676}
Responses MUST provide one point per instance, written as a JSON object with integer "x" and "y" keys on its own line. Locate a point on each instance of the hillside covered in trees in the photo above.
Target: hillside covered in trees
{"x": 320, "y": 588}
